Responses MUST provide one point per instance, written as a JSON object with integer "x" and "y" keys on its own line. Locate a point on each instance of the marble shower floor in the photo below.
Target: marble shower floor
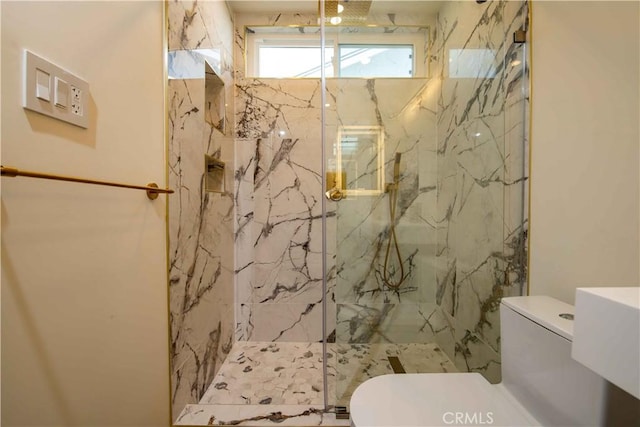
{"x": 268, "y": 384}
{"x": 267, "y": 373}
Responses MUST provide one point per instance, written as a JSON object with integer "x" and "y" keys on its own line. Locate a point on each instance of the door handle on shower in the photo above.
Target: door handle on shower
{"x": 335, "y": 194}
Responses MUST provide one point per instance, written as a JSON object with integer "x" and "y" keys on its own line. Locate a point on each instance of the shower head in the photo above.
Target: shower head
{"x": 396, "y": 168}
{"x": 351, "y": 12}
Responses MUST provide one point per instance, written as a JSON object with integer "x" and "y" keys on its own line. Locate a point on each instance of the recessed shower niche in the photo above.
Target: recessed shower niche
{"x": 214, "y": 99}
{"x": 214, "y": 175}
{"x": 360, "y": 159}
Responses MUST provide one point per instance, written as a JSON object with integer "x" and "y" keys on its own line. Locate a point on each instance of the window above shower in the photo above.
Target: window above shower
{"x": 350, "y": 52}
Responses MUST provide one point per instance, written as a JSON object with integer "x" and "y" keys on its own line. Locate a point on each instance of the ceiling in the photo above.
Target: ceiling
{"x": 311, "y": 6}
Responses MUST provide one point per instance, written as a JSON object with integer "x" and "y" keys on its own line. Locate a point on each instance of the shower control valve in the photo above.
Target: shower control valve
{"x": 335, "y": 194}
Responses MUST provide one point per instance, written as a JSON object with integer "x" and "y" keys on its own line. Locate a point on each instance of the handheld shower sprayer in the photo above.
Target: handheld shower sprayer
{"x": 392, "y": 189}
{"x": 391, "y": 186}
{"x": 396, "y": 168}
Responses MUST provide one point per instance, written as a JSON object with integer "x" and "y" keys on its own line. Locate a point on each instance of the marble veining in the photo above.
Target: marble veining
{"x": 460, "y": 223}
{"x": 201, "y": 223}
{"x": 278, "y": 186}
{"x": 279, "y": 211}
{"x": 481, "y": 191}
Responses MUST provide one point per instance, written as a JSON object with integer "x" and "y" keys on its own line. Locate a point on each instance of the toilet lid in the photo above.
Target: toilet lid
{"x": 435, "y": 400}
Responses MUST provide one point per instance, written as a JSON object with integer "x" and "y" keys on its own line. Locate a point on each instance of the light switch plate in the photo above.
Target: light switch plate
{"x": 61, "y": 93}
{"x": 70, "y": 94}
{"x": 43, "y": 85}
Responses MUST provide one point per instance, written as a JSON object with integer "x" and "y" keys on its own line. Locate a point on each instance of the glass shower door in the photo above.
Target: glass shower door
{"x": 425, "y": 175}
{"x": 385, "y": 235}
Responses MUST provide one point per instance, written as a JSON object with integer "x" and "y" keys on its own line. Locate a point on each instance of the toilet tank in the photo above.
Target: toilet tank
{"x": 537, "y": 367}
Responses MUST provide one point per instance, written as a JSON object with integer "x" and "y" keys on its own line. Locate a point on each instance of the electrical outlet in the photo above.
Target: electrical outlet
{"x": 42, "y": 95}
{"x": 76, "y": 101}
{"x": 76, "y": 109}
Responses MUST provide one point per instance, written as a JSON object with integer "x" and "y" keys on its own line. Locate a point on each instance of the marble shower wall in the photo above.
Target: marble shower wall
{"x": 279, "y": 210}
{"x": 368, "y": 310}
{"x": 201, "y": 223}
{"x": 482, "y": 224}
{"x": 278, "y": 191}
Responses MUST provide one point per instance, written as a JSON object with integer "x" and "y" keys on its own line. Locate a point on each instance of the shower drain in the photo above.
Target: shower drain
{"x": 342, "y": 413}
{"x": 396, "y": 365}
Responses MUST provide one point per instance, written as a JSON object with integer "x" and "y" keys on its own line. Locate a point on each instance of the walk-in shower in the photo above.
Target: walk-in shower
{"x": 368, "y": 210}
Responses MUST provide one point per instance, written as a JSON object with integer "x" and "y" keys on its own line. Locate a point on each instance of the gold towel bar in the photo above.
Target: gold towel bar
{"x": 151, "y": 188}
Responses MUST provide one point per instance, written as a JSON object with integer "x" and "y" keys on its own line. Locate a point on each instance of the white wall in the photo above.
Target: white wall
{"x": 84, "y": 302}
{"x": 585, "y": 146}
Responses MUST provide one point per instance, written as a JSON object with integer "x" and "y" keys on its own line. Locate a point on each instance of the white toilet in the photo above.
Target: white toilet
{"x": 541, "y": 384}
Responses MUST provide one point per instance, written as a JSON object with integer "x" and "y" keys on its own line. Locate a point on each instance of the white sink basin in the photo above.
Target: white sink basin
{"x": 606, "y": 334}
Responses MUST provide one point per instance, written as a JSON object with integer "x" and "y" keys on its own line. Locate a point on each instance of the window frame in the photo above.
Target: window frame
{"x": 339, "y": 56}
{"x": 255, "y": 40}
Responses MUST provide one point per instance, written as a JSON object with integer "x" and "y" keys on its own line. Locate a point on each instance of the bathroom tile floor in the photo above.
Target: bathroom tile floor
{"x": 259, "y": 373}
{"x": 268, "y": 384}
